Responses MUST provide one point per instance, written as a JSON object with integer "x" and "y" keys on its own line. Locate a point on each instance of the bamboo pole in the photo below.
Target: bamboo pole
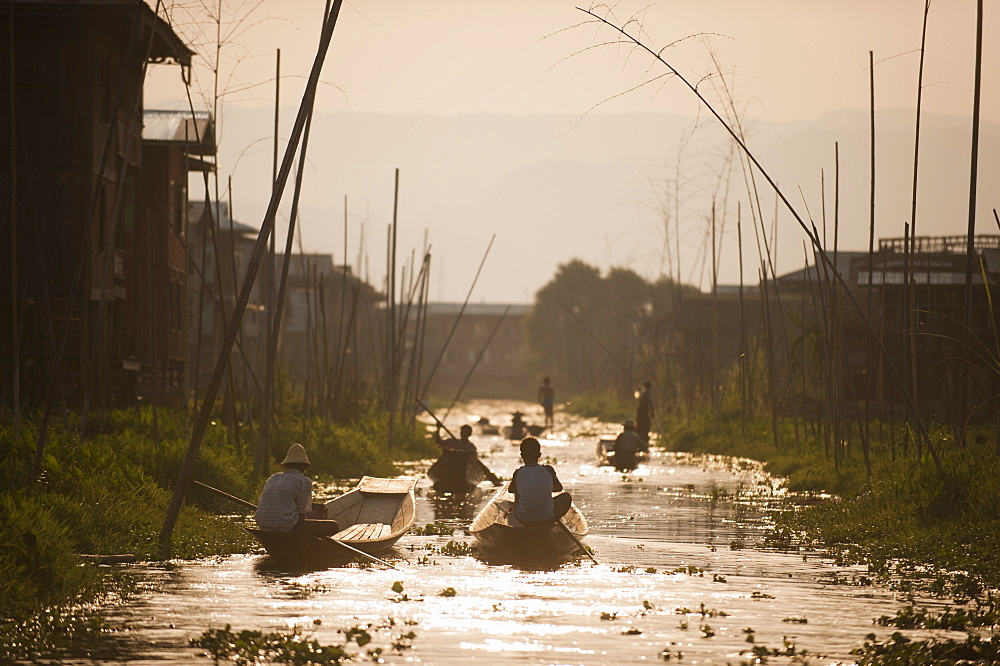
{"x": 262, "y": 450}
{"x": 475, "y": 363}
{"x": 14, "y": 324}
{"x": 277, "y": 319}
{"x": 658, "y": 56}
{"x": 869, "y": 381}
{"x": 909, "y": 287}
{"x": 341, "y": 334}
{"x": 970, "y": 248}
{"x": 444, "y": 347}
{"x": 393, "y": 360}
{"x": 325, "y": 390}
{"x": 204, "y": 415}
{"x": 151, "y": 269}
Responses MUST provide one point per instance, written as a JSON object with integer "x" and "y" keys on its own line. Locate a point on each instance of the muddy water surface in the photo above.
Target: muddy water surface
{"x": 677, "y": 572}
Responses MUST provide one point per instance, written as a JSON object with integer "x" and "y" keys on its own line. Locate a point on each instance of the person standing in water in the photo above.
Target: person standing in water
{"x": 644, "y": 413}
{"x": 547, "y": 397}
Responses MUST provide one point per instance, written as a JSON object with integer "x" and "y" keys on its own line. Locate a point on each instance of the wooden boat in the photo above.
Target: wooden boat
{"x": 511, "y": 433}
{"x": 605, "y": 453}
{"x": 456, "y": 472}
{"x": 372, "y": 517}
{"x": 501, "y": 535}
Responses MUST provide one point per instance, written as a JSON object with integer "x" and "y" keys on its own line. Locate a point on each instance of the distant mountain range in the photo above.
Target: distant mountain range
{"x": 557, "y": 187}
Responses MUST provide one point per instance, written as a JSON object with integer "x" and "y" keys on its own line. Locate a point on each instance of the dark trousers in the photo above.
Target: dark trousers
{"x": 317, "y": 528}
{"x": 560, "y": 505}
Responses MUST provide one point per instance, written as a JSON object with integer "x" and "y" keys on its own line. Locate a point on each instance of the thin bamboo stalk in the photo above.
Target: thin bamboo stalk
{"x": 869, "y": 374}
{"x": 970, "y": 249}
{"x": 393, "y": 360}
{"x": 204, "y": 415}
{"x": 14, "y": 323}
{"x": 658, "y": 56}
{"x": 444, "y": 347}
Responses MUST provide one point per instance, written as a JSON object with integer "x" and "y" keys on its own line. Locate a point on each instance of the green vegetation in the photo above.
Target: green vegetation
{"x": 252, "y": 647}
{"x": 609, "y": 406}
{"x": 108, "y": 493}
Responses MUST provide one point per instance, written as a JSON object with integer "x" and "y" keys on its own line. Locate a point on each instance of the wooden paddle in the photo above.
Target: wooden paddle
{"x": 251, "y": 505}
{"x": 572, "y": 536}
{"x": 490, "y": 476}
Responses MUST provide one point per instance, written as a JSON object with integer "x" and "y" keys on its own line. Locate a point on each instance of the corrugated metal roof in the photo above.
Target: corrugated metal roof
{"x": 161, "y": 126}
{"x": 196, "y": 210}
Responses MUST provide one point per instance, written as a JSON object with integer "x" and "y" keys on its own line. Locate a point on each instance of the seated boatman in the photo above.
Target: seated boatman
{"x": 463, "y": 443}
{"x": 287, "y": 499}
{"x": 627, "y": 445}
{"x": 533, "y": 485}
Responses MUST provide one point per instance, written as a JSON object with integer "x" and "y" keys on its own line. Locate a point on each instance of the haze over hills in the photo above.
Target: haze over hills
{"x": 555, "y": 187}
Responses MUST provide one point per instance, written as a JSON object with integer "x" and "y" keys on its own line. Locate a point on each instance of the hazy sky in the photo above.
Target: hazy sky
{"x": 794, "y": 60}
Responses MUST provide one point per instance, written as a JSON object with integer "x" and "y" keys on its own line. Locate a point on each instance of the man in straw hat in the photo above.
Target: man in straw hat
{"x": 287, "y": 498}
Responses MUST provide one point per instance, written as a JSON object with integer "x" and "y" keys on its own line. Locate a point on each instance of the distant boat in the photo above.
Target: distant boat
{"x": 605, "y": 453}
{"x": 512, "y": 433}
{"x": 372, "y": 517}
{"x": 501, "y": 535}
{"x": 487, "y": 428}
{"x": 456, "y": 472}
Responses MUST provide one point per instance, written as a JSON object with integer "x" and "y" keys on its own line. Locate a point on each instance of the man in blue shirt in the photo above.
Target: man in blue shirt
{"x": 533, "y": 486}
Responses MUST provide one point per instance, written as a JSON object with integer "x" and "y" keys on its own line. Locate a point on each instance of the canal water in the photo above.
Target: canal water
{"x": 678, "y": 574}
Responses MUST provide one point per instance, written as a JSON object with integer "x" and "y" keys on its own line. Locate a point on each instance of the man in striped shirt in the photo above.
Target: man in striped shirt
{"x": 287, "y": 498}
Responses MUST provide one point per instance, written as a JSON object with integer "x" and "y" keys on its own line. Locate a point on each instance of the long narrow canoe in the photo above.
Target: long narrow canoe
{"x": 372, "y": 516}
{"x": 500, "y": 534}
{"x": 456, "y": 472}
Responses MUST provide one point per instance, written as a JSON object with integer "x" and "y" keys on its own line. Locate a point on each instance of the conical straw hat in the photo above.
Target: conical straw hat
{"x": 296, "y": 454}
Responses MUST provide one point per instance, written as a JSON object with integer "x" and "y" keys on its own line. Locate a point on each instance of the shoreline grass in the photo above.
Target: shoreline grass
{"x": 107, "y": 495}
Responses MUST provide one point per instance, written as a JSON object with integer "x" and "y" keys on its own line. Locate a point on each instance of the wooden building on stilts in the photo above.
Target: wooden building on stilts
{"x": 93, "y": 217}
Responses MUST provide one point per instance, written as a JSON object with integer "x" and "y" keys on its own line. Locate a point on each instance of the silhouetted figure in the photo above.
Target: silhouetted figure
{"x": 644, "y": 414}
{"x": 533, "y": 485}
{"x": 627, "y": 446}
{"x": 518, "y": 427}
{"x": 547, "y": 398}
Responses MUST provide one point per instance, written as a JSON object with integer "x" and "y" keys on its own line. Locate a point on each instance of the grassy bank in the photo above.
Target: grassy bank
{"x": 927, "y": 529}
{"x": 108, "y": 494}
{"x": 909, "y": 511}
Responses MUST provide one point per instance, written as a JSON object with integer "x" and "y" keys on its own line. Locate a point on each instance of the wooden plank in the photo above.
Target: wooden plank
{"x": 350, "y": 533}
{"x": 380, "y": 509}
{"x": 374, "y": 484}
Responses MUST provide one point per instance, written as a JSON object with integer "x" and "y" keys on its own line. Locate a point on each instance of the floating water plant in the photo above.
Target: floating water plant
{"x": 250, "y": 646}
{"x": 437, "y": 528}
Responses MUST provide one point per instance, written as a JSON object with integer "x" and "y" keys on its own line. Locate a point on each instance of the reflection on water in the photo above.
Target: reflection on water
{"x": 674, "y": 574}
{"x": 456, "y": 509}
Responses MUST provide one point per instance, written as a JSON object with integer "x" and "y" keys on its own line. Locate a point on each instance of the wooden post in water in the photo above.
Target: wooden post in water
{"x": 970, "y": 246}
{"x": 262, "y": 451}
{"x": 393, "y": 373}
{"x": 15, "y": 333}
{"x": 870, "y": 384}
